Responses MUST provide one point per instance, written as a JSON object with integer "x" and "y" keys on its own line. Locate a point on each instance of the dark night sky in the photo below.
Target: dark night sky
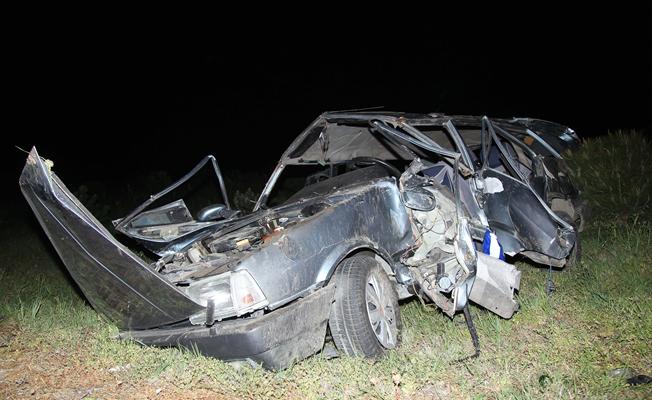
{"x": 108, "y": 107}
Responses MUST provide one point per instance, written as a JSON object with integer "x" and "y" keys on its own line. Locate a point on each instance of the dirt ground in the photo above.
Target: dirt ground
{"x": 29, "y": 372}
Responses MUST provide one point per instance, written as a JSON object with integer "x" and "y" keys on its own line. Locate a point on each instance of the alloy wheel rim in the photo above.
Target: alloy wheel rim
{"x": 381, "y": 313}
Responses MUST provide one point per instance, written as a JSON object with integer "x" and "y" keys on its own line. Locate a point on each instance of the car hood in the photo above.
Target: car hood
{"x": 116, "y": 282}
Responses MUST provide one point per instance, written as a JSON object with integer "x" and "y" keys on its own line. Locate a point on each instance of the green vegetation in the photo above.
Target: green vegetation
{"x": 560, "y": 346}
{"x": 614, "y": 173}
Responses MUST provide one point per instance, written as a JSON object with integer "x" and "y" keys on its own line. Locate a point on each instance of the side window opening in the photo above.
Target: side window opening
{"x": 518, "y": 155}
{"x": 199, "y": 191}
{"x": 296, "y": 177}
{"x": 439, "y": 135}
{"x": 297, "y": 181}
{"x": 472, "y": 138}
{"x": 498, "y": 161}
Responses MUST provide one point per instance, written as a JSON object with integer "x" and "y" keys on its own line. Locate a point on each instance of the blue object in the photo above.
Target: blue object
{"x": 491, "y": 246}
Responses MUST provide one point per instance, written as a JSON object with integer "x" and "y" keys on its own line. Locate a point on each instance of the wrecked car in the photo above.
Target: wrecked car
{"x": 390, "y": 206}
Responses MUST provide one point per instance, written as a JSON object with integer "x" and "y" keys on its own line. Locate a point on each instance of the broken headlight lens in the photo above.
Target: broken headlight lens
{"x": 232, "y": 294}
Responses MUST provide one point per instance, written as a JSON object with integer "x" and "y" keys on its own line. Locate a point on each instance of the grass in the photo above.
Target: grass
{"x": 613, "y": 172}
{"x": 559, "y": 346}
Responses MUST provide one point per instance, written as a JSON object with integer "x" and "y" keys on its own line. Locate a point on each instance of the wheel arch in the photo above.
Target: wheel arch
{"x": 333, "y": 260}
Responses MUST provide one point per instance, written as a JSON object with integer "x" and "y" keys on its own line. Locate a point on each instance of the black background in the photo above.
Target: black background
{"x": 108, "y": 106}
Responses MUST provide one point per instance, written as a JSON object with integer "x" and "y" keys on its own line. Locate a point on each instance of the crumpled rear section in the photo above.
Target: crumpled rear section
{"x": 114, "y": 280}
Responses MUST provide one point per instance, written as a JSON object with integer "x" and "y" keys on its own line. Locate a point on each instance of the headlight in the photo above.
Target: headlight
{"x": 231, "y": 294}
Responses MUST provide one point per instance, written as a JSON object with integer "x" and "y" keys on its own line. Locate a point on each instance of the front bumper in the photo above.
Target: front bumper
{"x": 274, "y": 340}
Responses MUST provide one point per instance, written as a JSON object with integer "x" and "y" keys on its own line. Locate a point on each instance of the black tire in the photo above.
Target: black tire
{"x": 350, "y": 323}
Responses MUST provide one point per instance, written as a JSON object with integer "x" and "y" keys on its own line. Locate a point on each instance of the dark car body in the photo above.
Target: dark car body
{"x": 259, "y": 287}
{"x": 535, "y": 211}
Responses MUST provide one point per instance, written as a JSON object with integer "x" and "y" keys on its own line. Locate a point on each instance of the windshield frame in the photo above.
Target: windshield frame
{"x": 384, "y": 125}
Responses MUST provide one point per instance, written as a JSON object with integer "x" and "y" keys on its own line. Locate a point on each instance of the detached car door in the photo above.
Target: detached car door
{"x": 511, "y": 195}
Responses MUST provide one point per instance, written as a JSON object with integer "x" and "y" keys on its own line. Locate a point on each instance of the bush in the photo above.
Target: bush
{"x": 244, "y": 200}
{"x": 614, "y": 173}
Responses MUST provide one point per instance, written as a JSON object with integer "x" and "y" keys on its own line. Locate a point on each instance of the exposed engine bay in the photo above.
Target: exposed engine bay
{"x": 212, "y": 256}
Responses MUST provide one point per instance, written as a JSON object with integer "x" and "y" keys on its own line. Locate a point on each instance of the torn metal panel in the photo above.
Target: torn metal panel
{"x": 495, "y": 284}
{"x": 114, "y": 280}
{"x": 443, "y": 258}
{"x": 520, "y": 221}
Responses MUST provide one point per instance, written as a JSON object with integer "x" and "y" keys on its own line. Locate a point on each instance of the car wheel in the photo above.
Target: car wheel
{"x": 365, "y": 319}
